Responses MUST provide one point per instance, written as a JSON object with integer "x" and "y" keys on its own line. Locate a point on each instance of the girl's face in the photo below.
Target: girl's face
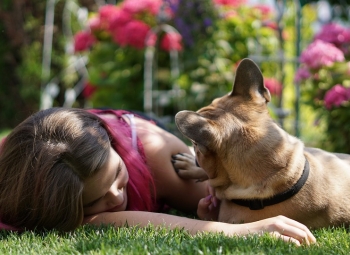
{"x": 106, "y": 191}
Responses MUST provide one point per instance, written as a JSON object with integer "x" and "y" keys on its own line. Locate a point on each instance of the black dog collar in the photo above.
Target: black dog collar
{"x": 258, "y": 204}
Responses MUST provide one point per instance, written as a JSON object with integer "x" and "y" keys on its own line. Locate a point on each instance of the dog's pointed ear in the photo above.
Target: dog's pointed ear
{"x": 196, "y": 128}
{"x": 249, "y": 81}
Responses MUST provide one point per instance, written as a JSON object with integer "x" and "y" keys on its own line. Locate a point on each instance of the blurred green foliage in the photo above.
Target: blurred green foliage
{"x": 21, "y": 47}
{"x": 207, "y": 65}
{"x": 215, "y": 39}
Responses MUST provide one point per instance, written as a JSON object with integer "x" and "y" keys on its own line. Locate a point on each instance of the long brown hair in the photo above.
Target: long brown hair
{"x": 44, "y": 162}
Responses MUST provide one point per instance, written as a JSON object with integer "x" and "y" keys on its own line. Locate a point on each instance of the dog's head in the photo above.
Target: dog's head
{"x": 234, "y": 135}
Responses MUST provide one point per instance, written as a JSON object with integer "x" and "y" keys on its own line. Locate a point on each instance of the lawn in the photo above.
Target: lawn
{"x": 134, "y": 240}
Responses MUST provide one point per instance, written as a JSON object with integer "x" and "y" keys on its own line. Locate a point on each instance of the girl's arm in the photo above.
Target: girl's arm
{"x": 280, "y": 226}
{"x": 159, "y": 147}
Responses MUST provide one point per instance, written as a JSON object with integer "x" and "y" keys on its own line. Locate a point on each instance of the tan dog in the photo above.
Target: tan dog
{"x": 256, "y": 168}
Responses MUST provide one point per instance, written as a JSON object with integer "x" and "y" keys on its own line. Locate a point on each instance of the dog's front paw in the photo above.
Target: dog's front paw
{"x": 185, "y": 166}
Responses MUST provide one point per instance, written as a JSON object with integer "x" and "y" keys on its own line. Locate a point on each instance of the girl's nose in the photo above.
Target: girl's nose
{"x": 115, "y": 196}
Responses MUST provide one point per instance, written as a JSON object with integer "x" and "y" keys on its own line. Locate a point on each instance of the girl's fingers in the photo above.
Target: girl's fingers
{"x": 206, "y": 210}
{"x": 203, "y": 207}
{"x": 300, "y": 230}
{"x": 292, "y": 229}
{"x": 286, "y": 238}
{"x": 284, "y": 228}
{"x": 294, "y": 233}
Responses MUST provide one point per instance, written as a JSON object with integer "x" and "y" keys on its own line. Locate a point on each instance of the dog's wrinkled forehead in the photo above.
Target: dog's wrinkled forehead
{"x": 225, "y": 110}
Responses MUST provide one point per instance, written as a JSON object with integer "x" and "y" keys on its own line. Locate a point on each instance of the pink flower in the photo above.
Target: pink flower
{"x": 132, "y": 34}
{"x": 334, "y": 33}
{"x": 138, "y": 6}
{"x": 274, "y": 86}
{"x": 336, "y": 96}
{"x": 264, "y": 9}
{"x": 171, "y": 41}
{"x": 106, "y": 12}
{"x": 320, "y": 53}
{"x": 231, "y": 3}
{"x": 119, "y": 19}
{"x": 302, "y": 74}
{"x": 83, "y": 40}
{"x": 120, "y": 36}
{"x": 88, "y": 90}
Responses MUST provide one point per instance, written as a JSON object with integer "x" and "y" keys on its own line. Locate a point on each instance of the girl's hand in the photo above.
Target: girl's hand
{"x": 208, "y": 208}
{"x": 185, "y": 166}
{"x": 282, "y": 227}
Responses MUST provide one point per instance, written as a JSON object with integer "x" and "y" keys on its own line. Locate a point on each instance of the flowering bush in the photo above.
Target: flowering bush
{"x": 231, "y": 37}
{"x": 213, "y": 36}
{"x": 325, "y": 77}
{"x": 114, "y": 41}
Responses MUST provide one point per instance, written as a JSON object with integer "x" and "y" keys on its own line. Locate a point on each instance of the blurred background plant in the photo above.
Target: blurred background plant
{"x": 324, "y": 75}
{"x": 213, "y": 37}
{"x": 22, "y": 29}
{"x": 114, "y": 42}
{"x": 97, "y": 58}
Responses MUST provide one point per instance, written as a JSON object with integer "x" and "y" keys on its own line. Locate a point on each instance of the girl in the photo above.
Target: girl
{"x": 61, "y": 168}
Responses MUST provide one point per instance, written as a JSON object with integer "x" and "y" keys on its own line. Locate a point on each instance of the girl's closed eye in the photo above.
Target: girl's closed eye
{"x": 106, "y": 190}
{"x": 92, "y": 203}
{"x": 118, "y": 171}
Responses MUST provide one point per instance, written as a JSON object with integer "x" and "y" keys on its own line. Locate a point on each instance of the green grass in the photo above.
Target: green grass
{"x": 134, "y": 240}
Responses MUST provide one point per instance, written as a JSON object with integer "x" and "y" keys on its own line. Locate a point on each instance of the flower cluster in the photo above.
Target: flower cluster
{"x": 321, "y": 54}
{"x": 213, "y": 36}
{"x": 325, "y": 64}
{"x": 127, "y": 24}
{"x": 335, "y": 34}
{"x": 83, "y": 40}
{"x": 114, "y": 40}
{"x": 324, "y": 75}
{"x": 336, "y": 96}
